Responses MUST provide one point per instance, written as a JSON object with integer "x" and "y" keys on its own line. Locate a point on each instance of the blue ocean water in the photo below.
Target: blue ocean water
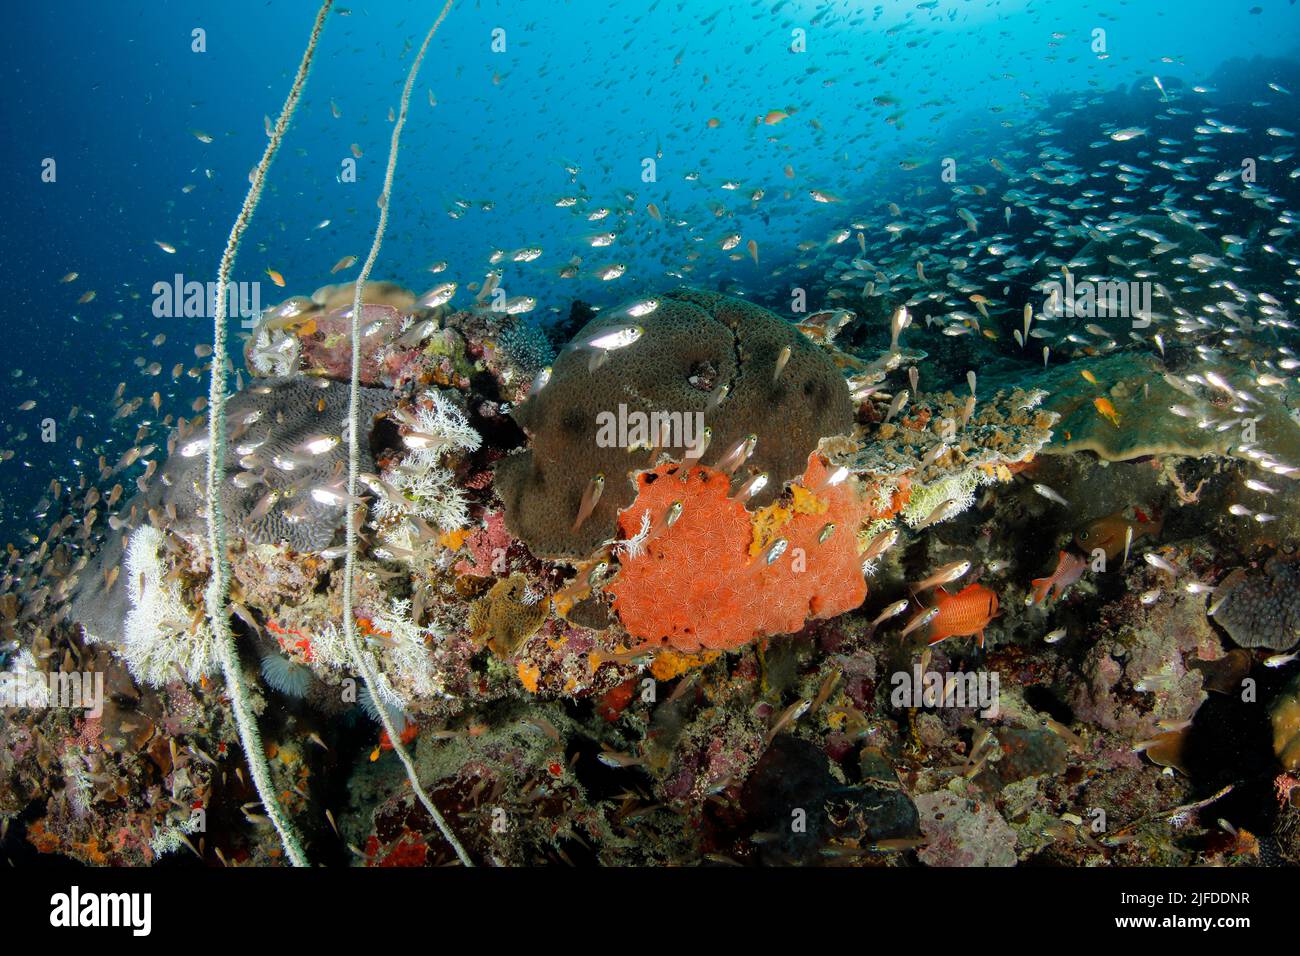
{"x": 570, "y": 100}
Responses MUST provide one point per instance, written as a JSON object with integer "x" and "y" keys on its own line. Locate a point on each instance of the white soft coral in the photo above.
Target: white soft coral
{"x": 161, "y": 640}
{"x": 407, "y": 668}
{"x": 438, "y": 418}
{"x": 427, "y": 488}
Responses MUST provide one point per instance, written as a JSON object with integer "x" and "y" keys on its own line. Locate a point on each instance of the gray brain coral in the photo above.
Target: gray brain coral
{"x": 1261, "y": 608}
{"x": 700, "y": 353}
{"x": 270, "y": 427}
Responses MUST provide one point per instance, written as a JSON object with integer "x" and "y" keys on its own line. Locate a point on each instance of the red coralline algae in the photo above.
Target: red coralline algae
{"x": 705, "y": 582}
{"x": 486, "y": 547}
{"x": 410, "y": 849}
{"x": 327, "y": 342}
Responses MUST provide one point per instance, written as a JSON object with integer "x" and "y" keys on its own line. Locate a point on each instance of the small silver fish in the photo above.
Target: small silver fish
{"x": 941, "y": 512}
{"x": 1050, "y": 494}
{"x": 789, "y": 716}
{"x": 617, "y": 760}
{"x": 718, "y": 397}
{"x": 438, "y": 295}
{"x": 597, "y": 572}
{"x": 781, "y": 361}
{"x": 263, "y": 506}
{"x": 1281, "y": 660}
{"x": 920, "y": 620}
{"x": 617, "y": 337}
{"x": 590, "y": 498}
{"x": 320, "y": 444}
{"x": 246, "y": 479}
{"x": 947, "y": 573}
{"x": 879, "y": 544}
{"x": 737, "y": 454}
{"x": 1156, "y": 561}
{"x": 419, "y": 440}
{"x": 892, "y": 611}
{"x": 751, "y": 487}
{"x": 934, "y": 454}
{"x": 897, "y": 404}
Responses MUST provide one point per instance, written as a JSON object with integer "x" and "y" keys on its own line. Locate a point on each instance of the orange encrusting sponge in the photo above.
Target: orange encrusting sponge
{"x": 704, "y": 582}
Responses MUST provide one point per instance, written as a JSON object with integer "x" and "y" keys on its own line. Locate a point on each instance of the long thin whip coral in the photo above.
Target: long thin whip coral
{"x": 362, "y": 658}
{"x": 219, "y": 584}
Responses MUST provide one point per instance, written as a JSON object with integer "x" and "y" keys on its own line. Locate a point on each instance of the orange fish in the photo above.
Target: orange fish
{"x": 775, "y": 116}
{"x": 1108, "y": 533}
{"x": 276, "y": 277}
{"x": 1106, "y": 410}
{"x": 1069, "y": 568}
{"x": 963, "y": 614}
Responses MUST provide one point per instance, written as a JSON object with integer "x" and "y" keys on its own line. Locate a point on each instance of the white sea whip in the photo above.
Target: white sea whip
{"x": 219, "y": 583}
{"x": 361, "y": 657}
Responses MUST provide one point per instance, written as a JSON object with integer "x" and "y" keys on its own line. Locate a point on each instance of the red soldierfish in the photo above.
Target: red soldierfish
{"x": 1069, "y": 568}
{"x": 963, "y": 614}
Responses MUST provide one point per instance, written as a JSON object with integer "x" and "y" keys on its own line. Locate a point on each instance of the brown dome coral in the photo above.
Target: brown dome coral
{"x": 1261, "y": 608}
{"x": 703, "y": 357}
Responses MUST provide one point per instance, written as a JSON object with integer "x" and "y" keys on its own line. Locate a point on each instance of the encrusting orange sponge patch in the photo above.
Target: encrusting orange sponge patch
{"x": 696, "y": 585}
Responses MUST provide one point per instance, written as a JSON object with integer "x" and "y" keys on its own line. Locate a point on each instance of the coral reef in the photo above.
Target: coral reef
{"x": 1191, "y": 417}
{"x": 1139, "y": 672}
{"x": 718, "y": 576}
{"x": 704, "y": 360}
{"x": 716, "y": 684}
{"x": 418, "y": 484}
{"x": 509, "y": 614}
{"x": 162, "y": 638}
{"x": 1286, "y": 725}
{"x": 524, "y": 346}
{"x": 283, "y": 485}
{"x": 963, "y": 832}
{"x": 1261, "y": 607}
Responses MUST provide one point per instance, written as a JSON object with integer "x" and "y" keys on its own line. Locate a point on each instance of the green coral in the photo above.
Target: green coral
{"x": 447, "y": 344}
{"x": 925, "y": 498}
